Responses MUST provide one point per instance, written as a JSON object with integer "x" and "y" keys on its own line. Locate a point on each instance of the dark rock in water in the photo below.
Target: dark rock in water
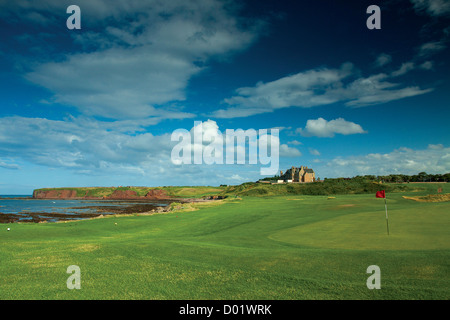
{"x": 44, "y": 217}
{"x": 96, "y": 211}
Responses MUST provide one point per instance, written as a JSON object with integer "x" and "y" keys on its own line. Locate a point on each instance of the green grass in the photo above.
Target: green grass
{"x": 328, "y": 187}
{"x": 279, "y": 247}
{"x": 193, "y": 192}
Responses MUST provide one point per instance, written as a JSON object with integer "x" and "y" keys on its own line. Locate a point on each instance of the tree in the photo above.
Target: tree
{"x": 422, "y": 176}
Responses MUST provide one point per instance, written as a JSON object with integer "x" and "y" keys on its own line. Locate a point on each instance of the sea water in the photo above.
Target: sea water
{"x": 21, "y": 204}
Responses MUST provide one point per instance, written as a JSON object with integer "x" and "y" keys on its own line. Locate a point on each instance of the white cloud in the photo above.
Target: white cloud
{"x": 296, "y": 90}
{"x": 236, "y": 177}
{"x": 314, "y": 152}
{"x": 139, "y": 62}
{"x": 295, "y": 143}
{"x": 432, "y": 7}
{"x": 282, "y": 128}
{"x": 323, "y": 128}
{"x": 430, "y": 48}
{"x": 238, "y": 112}
{"x": 117, "y": 83}
{"x": 436, "y": 146}
{"x": 78, "y": 143}
{"x": 87, "y": 147}
{"x": 286, "y": 151}
{"x": 433, "y": 159}
{"x": 383, "y": 59}
{"x": 318, "y": 87}
{"x": 427, "y": 65}
{"x": 405, "y": 67}
{"x": 375, "y": 90}
{"x": 6, "y": 165}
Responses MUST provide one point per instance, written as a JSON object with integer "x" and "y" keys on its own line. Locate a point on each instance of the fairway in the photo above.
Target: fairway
{"x": 280, "y": 247}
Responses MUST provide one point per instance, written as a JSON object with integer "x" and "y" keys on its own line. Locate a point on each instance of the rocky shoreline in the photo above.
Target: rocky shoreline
{"x": 38, "y": 217}
{"x": 117, "y": 208}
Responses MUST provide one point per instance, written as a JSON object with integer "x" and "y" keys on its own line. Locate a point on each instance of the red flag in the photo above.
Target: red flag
{"x": 380, "y": 194}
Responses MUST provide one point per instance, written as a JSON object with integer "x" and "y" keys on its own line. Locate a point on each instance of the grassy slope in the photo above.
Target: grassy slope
{"x": 251, "y": 189}
{"x": 328, "y": 187}
{"x": 282, "y": 247}
{"x": 179, "y": 192}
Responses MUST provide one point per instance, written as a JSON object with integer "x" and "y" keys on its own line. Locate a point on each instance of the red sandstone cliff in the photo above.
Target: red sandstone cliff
{"x": 156, "y": 194}
{"x": 55, "y": 194}
{"x": 116, "y": 195}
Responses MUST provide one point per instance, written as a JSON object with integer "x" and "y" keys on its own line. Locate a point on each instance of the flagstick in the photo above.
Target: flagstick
{"x": 387, "y": 219}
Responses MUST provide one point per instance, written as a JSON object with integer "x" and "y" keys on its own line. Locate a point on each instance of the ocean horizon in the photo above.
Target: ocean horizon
{"x": 16, "y": 195}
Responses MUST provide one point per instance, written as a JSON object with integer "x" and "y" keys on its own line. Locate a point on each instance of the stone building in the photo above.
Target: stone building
{"x": 294, "y": 174}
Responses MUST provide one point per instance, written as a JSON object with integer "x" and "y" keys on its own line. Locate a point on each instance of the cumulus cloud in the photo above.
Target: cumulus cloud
{"x": 90, "y": 147}
{"x": 117, "y": 83}
{"x": 323, "y": 128}
{"x": 78, "y": 143}
{"x": 433, "y": 159}
{"x": 140, "y": 68}
{"x": 286, "y": 151}
{"x": 318, "y": 87}
{"x": 82, "y": 146}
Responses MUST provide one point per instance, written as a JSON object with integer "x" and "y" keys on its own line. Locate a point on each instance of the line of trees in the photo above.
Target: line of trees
{"x": 403, "y": 178}
{"x": 392, "y": 178}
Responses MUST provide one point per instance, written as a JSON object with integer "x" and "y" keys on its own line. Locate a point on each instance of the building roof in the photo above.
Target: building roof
{"x": 296, "y": 169}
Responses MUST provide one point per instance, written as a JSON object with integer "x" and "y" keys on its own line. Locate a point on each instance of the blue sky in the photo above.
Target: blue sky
{"x": 97, "y": 106}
